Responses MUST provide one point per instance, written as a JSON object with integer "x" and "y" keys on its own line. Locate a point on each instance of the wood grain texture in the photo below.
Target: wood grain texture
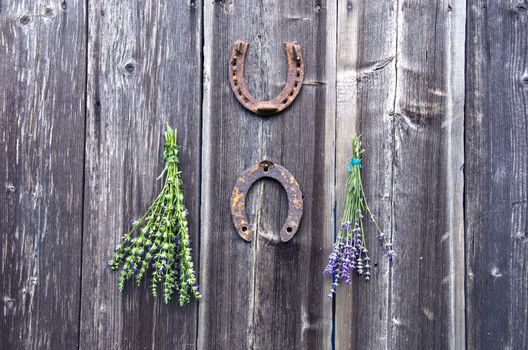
{"x": 144, "y": 69}
{"x": 426, "y": 86}
{"x": 401, "y": 85}
{"x": 42, "y": 88}
{"x": 496, "y": 175}
{"x": 266, "y": 294}
{"x": 365, "y": 98}
{"x": 426, "y": 295}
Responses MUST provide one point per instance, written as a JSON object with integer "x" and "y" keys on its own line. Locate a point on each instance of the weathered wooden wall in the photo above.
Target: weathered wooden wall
{"x": 42, "y": 116}
{"x": 265, "y": 294}
{"x": 437, "y": 89}
{"x": 403, "y": 90}
{"x": 496, "y": 181}
{"x": 144, "y": 69}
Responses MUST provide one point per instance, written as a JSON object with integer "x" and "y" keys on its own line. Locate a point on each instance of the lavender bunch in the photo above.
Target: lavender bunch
{"x": 159, "y": 241}
{"x": 350, "y": 253}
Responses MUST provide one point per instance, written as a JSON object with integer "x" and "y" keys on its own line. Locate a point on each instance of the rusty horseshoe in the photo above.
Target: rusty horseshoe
{"x": 286, "y": 179}
{"x": 289, "y": 91}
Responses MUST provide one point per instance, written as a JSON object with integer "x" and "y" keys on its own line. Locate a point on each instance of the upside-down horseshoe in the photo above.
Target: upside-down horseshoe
{"x": 289, "y": 91}
{"x": 286, "y": 179}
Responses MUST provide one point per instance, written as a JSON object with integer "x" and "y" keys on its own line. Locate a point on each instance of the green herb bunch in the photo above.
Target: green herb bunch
{"x": 159, "y": 241}
{"x": 350, "y": 252}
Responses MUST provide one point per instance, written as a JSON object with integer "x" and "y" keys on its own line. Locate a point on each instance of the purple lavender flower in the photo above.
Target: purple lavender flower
{"x": 330, "y": 267}
{"x": 350, "y": 254}
{"x": 185, "y": 212}
{"x": 332, "y": 260}
{"x": 367, "y": 276}
{"x": 347, "y": 256}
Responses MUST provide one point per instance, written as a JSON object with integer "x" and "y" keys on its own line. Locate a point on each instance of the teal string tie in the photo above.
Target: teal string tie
{"x": 354, "y": 161}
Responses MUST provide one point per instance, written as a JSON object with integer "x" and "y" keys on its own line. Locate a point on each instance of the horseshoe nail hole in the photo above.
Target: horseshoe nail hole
{"x": 265, "y": 168}
{"x": 285, "y": 101}
{"x": 296, "y": 84}
{"x": 233, "y": 63}
{"x": 130, "y": 68}
{"x": 289, "y": 229}
{"x": 291, "y": 93}
{"x": 25, "y": 20}
{"x": 244, "y": 228}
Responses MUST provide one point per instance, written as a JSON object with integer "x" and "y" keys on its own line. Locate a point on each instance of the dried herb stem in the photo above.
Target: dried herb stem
{"x": 159, "y": 240}
{"x": 350, "y": 253}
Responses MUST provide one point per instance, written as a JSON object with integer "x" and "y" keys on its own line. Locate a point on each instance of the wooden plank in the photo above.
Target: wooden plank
{"x": 42, "y": 106}
{"x": 144, "y": 69}
{"x": 427, "y": 283}
{"x": 365, "y": 99}
{"x": 404, "y": 84}
{"x": 496, "y": 175}
{"x": 266, "y": 294}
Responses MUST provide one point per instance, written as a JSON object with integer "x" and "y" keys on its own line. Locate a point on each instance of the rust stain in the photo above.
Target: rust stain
{"x": 236, "y": 197}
